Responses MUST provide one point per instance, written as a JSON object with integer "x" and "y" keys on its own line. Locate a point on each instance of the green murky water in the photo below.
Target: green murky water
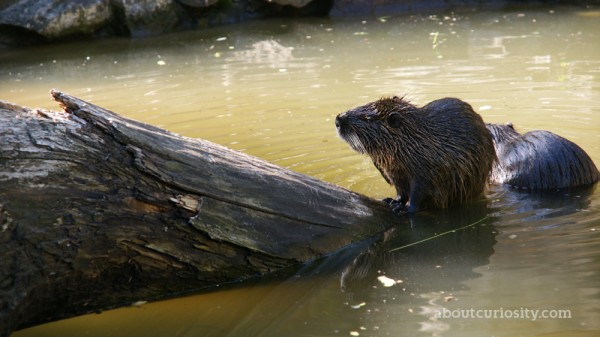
{"x": 273, "y": 88}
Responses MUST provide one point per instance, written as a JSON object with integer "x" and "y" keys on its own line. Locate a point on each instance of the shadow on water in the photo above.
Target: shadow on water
{"x": 463, "y": 237}
{"x": 458, "y": 240}
{"x": 544, "y": 205}
{"x": 432, "y": 241}
{"x": 411, "y": 272}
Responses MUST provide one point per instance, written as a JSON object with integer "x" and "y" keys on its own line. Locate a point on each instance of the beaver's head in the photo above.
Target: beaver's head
{"x": 502, "y": 133}
{"x": 376, "y": 126}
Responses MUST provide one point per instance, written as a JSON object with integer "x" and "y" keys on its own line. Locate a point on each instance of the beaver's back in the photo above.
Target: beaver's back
{"x": 542, "y": 160}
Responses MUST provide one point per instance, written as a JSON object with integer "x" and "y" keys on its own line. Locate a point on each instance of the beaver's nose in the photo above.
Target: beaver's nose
{"x": 340, "y": 120}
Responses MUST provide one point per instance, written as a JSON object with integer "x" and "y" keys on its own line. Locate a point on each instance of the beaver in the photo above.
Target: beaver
{"x": 539, "y": 160}
{"x": 433, "y": 155}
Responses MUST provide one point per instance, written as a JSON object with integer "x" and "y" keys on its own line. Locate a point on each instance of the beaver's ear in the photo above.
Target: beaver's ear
{"x": 394, "y": 120}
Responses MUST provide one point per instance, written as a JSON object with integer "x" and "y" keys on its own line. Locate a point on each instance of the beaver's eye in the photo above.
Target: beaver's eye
{"x": 369, "y": 117}
{"x": 394, "y": 120}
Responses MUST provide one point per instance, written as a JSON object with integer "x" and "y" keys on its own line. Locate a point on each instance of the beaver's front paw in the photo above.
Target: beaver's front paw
{"x": 397, "y": 205}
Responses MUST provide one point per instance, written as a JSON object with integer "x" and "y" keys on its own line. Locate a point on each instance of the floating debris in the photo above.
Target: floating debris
{"x": 359, "y": 305}
{"x": 387, "y": 282}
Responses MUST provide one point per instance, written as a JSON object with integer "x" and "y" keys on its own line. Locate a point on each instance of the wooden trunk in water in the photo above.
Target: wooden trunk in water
{"x": 98, "y": 211}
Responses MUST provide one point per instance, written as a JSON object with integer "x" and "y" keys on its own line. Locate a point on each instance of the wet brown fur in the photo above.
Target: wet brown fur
{"x": 434, "y": 155}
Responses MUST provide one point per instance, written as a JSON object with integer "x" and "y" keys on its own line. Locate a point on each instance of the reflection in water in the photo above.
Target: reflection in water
{"x": 268, "y": 52}
{"x": 272, "y": 89}
{"x": 548, "y": 251}
{"x": 449, "y": 246}
{"x": 460, "y": 270}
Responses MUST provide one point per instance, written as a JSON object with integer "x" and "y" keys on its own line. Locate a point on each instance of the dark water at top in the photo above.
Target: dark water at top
{"x": 272, "y": 89}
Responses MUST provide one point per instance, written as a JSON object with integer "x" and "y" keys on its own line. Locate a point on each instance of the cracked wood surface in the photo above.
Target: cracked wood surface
{"x": 99, "y": 211}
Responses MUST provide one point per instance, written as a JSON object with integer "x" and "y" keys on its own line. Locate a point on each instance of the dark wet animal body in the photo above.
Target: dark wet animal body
{"x": 433, "y": 155}
{"x": 539, "y": 160}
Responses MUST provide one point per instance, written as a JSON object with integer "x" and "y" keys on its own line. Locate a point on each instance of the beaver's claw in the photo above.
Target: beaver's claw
{"x": 396, "y": 205}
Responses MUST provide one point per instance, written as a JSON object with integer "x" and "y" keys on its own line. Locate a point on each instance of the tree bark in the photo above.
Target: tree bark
{"x": 99, "y": 211}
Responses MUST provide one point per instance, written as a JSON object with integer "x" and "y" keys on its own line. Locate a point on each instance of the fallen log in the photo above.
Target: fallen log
{"x": 99, "y": 211}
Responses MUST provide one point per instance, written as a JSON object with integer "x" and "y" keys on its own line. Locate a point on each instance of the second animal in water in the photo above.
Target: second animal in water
{"x": 539, "y": 160}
